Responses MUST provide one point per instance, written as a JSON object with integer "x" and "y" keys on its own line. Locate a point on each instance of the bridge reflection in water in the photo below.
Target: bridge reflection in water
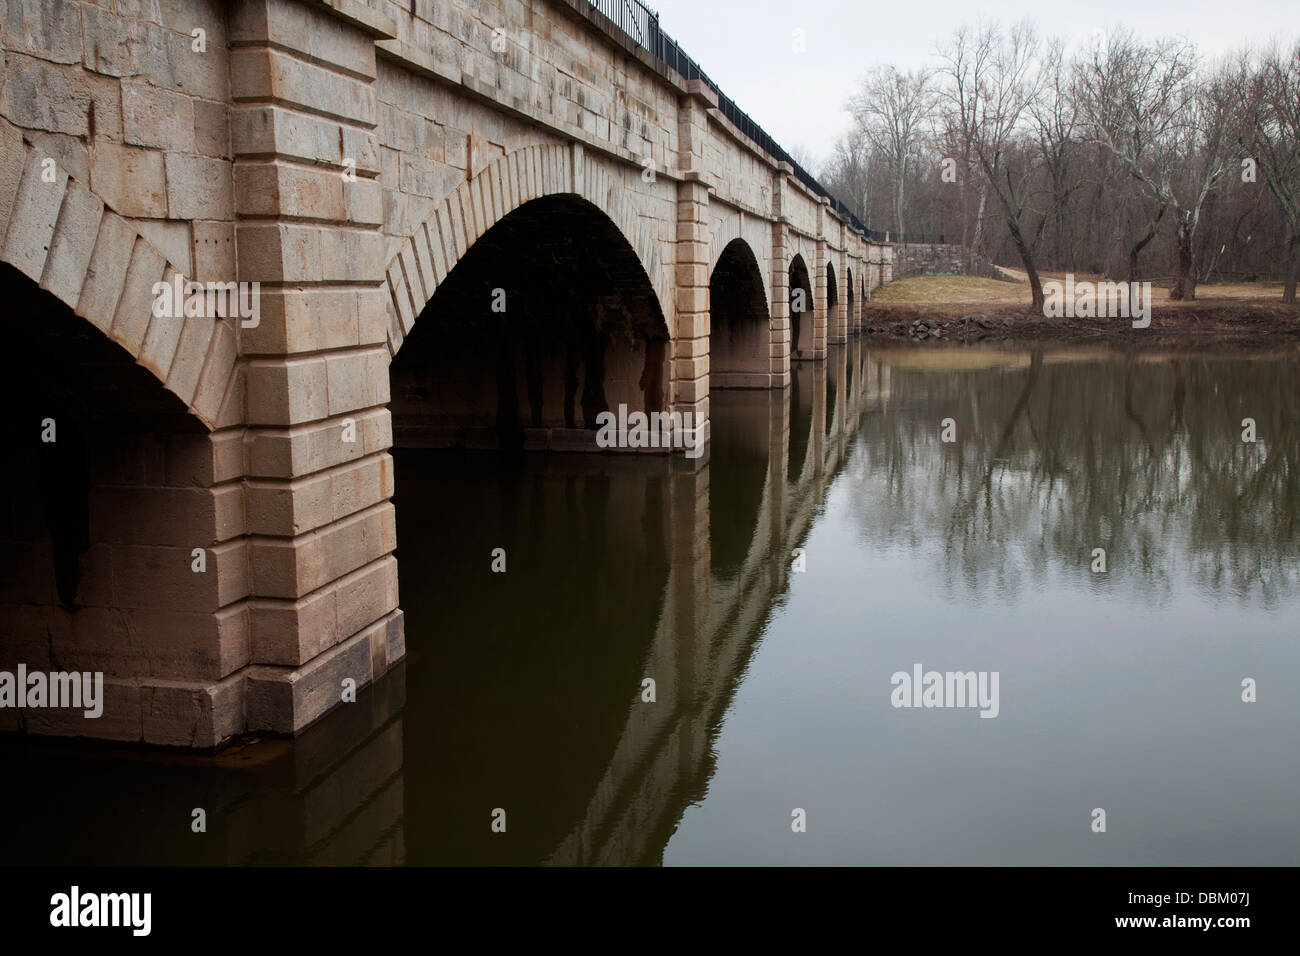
{"x": 522, "y": 690}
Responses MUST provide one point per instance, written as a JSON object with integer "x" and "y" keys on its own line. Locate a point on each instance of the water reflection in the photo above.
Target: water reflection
{"x": 523, "y": 690}
{"x": 1068, "y": 451}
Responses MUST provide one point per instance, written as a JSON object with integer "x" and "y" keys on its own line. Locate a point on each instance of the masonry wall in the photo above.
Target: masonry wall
{"x": 935, "y": 259}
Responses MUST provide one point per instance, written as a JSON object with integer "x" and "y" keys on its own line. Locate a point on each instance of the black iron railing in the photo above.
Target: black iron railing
{"x": 640, "y": 24}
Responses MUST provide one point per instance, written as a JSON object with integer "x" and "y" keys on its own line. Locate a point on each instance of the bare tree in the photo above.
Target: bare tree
{"x": 1272, "y": 135}
{"x": 1055, "y": 118}
{"x": 805, "y": 157}
{"x": 1170, "y": 130}
{"x": 1205, "y": 138}
{"x": 992, "y": 81}
{"x": 1131, "y": 95}
{"x": 892, "y": 110}
{"x": 848, "y": 172}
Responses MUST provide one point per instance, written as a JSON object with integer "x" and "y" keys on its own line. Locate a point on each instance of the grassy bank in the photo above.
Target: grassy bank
{"x": 971, "y": 309}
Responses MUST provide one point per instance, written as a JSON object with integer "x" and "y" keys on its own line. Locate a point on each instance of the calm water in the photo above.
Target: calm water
{"x": 523, "y": 691}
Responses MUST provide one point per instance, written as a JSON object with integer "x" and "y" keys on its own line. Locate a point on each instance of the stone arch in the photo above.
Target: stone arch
{"x": 740, "y": 320}
{"x": 802, "y": 321}
{"x": 425, "y": 259}
{"x": 755, "y": 232}
{"x": 546, "y": 323}
{"x": 64, "y": 237}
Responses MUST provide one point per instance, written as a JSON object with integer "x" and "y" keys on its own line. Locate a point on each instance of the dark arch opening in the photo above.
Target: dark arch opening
{"x": 92, "y": 492}
{"x": 740, "y": 329}
{"x": 545, "y": 322}
{"x": 801, "y": 310}
{"x": 853, "y": 313}
{"x": 521, "y": 677}
{"x": 832, "y": 301}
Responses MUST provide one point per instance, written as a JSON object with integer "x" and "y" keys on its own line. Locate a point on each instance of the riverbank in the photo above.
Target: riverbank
{"x": 972, "y": 309}
{"x": 1254, "y": 323}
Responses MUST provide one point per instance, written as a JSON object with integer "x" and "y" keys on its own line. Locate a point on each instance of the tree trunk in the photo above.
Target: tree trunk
{"x": 1292, "y": 268}
{"x": 979, "y": 219}
{"x": 898, "y": 203}
{"x": 1027, "y": 258}
{"x": 1141, "y": 244}
{"x": 1185, "y": 283}
{"x": 1136, "y": 251}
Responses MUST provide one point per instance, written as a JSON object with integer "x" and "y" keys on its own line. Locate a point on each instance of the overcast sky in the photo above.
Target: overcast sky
{"x": 745, "y": 46}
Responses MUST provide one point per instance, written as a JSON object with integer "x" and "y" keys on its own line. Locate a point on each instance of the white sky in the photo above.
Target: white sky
{"x": 745, "y": 45}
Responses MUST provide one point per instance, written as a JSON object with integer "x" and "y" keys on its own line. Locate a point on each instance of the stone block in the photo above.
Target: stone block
{"x": 156, "y": 117}
{"x": 161, "y": 338}
{"x": 135, "y": 306}
{"x": 283, "y": 700}
{"x": 106, "y": 273}
{"x": 199, "y": 187}
{"x": 191, "y": 351}
{"x": 214, "y": 251}
{"x": 73, "y": 243}
{"x": 129, "y": 180}
{"x": 34, "y": 215}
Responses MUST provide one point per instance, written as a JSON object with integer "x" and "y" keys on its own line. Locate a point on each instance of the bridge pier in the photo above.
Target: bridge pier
{"x": 691, "y": 342}
{"x": 779, "y": 301}
{"x": 821, "y": 288}
{"x": 322, "y": 579}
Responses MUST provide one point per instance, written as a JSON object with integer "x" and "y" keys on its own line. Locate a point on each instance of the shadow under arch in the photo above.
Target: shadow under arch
{"x": 801, "y": 310}
{"x": 740, "y": 326}
{"x": 545, "y": 322}
{"x": 95, "y": 491}
{"x": 852, "y": 323}
{"x": 832, "y": 302}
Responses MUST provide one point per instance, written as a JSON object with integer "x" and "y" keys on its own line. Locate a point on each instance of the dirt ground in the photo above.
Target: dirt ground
{"x": 973, "y": 309}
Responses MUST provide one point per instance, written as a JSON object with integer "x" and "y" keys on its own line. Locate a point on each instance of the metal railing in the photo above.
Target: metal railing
{"x": 640, "y": 24}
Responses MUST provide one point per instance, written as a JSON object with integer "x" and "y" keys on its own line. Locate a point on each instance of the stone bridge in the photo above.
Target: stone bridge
{"x": 475, "y": 224}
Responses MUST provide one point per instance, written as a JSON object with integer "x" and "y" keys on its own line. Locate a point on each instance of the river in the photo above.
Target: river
{"x": 773, "y": 592}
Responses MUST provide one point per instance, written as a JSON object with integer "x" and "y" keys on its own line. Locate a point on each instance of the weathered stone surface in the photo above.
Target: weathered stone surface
{"x": 135, "y": 307}
{"x": 130, "y": 180}
{"x": 60, "y": 99}
{"x": 34, "y": 214}
{"x": 49, "y": 29}
{"x": 199, "y": 187}
{"x": 73, "y": 243}
{"x": 107, "y": 271}
{"x": 157, "y": 117}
